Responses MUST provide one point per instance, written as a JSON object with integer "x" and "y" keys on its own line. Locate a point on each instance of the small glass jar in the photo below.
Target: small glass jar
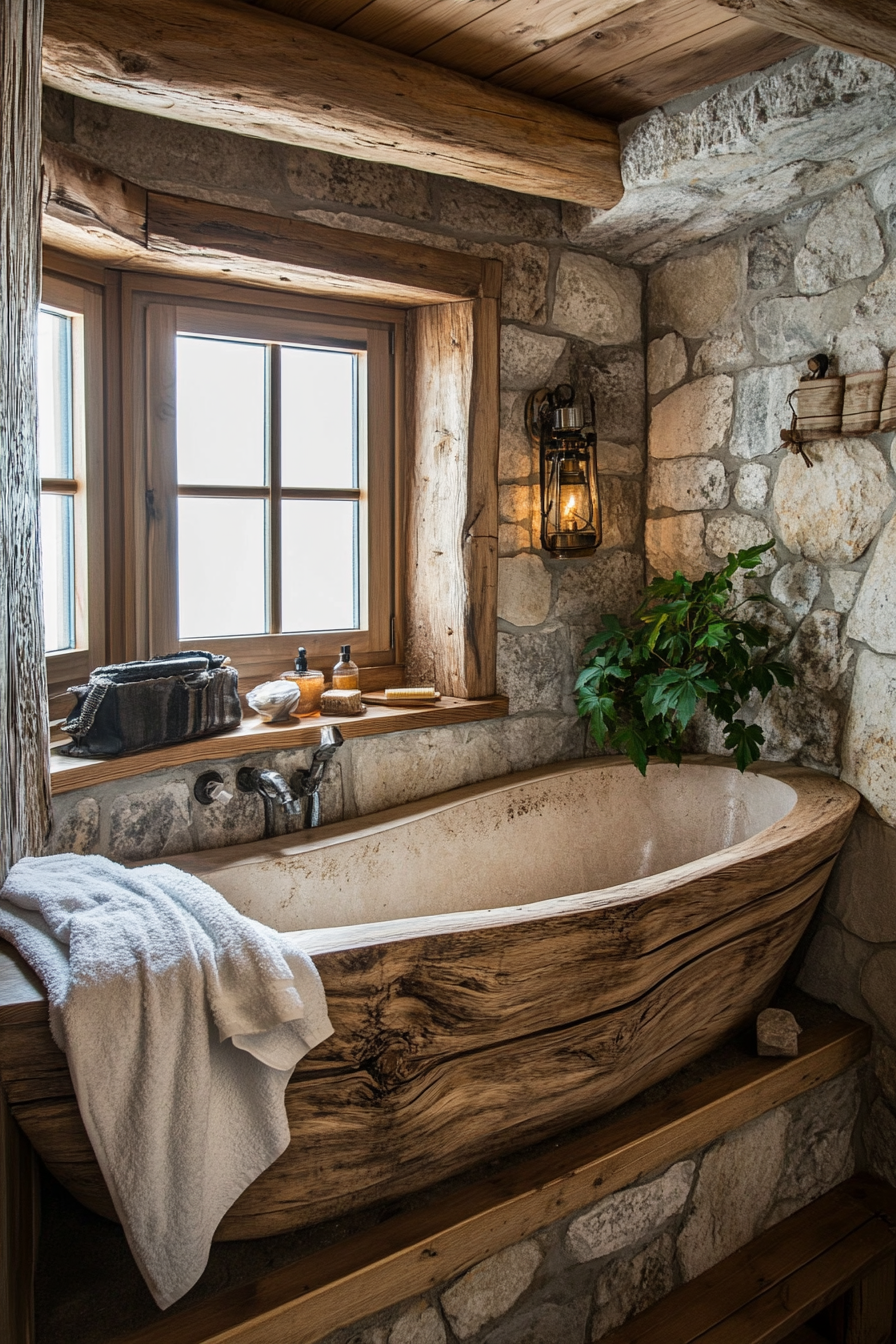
{"x": 310, "y": 684}
{"x": 346, "y": 676}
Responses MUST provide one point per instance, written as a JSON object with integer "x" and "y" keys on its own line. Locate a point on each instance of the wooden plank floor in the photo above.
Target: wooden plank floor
{"x": 415, "y": 1250}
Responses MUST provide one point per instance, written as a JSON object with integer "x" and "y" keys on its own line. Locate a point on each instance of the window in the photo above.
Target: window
{"x": 69, "y": 392}
{"x": 264, "y": 440}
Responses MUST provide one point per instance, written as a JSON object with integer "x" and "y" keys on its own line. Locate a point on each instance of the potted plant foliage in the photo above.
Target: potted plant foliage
{"x": 685, "y": 644}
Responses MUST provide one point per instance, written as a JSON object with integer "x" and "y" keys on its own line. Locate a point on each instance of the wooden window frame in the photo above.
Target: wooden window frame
{"x": 84, "y": 300}
{"x": 153, "y": 308}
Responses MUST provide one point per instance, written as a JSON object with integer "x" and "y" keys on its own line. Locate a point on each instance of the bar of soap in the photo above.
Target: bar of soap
{"x": 341, "y": 702}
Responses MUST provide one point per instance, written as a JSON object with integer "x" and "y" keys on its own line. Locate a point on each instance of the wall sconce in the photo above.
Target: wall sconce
{"x": 570, "y": 501}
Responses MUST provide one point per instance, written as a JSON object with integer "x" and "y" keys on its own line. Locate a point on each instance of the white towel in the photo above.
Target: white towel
{"x": 182, "y": 1021}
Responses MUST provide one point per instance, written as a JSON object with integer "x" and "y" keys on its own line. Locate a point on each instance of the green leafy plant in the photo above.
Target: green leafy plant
{"x": 644, "y": 681}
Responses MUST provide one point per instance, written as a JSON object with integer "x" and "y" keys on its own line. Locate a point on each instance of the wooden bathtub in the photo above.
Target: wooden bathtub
{"x": 501, "y": 962}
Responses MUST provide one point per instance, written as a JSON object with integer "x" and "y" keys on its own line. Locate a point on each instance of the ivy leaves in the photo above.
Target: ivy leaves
{"x": 642, "y": 684}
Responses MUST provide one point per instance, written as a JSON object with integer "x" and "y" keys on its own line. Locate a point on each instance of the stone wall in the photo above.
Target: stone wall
{"x": 567, "y": 313}
{"x": 731, "y": 324}
{"x": 582, "y": 1277}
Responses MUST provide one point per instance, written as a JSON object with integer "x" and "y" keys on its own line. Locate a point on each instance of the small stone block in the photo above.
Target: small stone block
{"x": 777, "y": 1033}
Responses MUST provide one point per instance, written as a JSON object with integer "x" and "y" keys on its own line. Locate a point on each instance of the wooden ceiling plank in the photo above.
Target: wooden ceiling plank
{"x": 630, "y": 37}
{"x": 732, "y": 49}
{"x": 511, "y": 32}
{"x": 241, "y": 69}
{"x": 411, "y": 25}
{"x": 863, "y": 27}
{"x": 323, "y": 13}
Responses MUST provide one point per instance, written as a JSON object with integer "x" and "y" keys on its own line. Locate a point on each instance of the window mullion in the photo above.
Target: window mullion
{"x": 275, "y": 512}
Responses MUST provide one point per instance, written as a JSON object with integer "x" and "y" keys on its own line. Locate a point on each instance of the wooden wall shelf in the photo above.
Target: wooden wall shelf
{"x": 69, "y": 773}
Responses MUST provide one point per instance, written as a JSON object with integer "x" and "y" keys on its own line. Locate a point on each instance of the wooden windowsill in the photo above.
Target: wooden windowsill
{"x": 68, "y": 773}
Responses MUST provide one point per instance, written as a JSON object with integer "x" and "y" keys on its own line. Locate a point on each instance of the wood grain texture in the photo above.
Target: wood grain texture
{"x": 298, "y": 84}
{"x": 19, "y": 1224}
{"x": 416, "y": 1250}
{"x": 96, "y": 214}
{"x": 69, "y": 773}
{"x": 864, "y": 27}
{"x": 456, "y": 1037}
{"x": 452, "y": 533}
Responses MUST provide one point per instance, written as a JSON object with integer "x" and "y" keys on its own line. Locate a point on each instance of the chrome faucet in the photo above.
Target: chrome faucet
{"x": 274, "y": 790}
{"x": 306, "y": 783}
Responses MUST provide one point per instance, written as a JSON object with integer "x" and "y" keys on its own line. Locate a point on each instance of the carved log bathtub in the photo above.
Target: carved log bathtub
{"x": 502, "y": 962}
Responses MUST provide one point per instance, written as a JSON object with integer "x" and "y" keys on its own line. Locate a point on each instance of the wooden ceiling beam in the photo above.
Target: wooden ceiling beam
{"x": 242, "y": 69}
{"x": 863, "y": 27}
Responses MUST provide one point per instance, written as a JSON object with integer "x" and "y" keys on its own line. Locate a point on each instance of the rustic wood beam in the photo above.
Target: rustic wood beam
{"x": 864, "y": 27}
{"x": 242, "y": 69}
{"x": 93, "y": 213}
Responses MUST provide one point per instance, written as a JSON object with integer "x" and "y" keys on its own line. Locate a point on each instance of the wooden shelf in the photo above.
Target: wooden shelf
{"x": 68, "y": 773}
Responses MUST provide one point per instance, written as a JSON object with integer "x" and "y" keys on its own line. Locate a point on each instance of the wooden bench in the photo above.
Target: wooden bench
{"x": 825, "y": 1273}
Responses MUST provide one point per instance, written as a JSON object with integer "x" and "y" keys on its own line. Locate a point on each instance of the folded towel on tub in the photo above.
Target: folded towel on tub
{"x": 182, "y": 1021}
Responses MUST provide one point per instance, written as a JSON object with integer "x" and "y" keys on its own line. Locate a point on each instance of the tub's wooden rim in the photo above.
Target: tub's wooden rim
{"x": 822, "y": 801}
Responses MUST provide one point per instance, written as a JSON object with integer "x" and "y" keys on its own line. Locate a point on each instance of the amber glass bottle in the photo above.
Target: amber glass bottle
{"x": 310, "y": 684}
{"x": 346, "y": 676}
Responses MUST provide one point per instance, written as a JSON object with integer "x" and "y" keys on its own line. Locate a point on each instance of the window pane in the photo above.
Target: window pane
{"x": 320, "y": 564}
{"x": 57, "y": 555}
{"x": 221, "y": 415}
{"x": 318, "y": 408}
{"x": 54, "y": 393}
{"x": 221, "y": 567}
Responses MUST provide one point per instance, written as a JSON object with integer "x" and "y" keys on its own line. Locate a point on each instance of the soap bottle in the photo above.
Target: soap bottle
{"x": 310, "y": 684}
{"x": 346, "y": 676}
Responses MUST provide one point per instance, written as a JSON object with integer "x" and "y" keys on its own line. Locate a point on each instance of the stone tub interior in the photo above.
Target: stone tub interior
{"x": 583, "y": 828}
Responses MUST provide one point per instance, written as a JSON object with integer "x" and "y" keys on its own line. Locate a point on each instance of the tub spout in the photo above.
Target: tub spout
{"x": 306, "y": 783}
{"x": 274, "y": 791}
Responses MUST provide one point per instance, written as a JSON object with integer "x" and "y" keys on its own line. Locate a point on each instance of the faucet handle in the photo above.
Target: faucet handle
{"x": 330, "y": 736}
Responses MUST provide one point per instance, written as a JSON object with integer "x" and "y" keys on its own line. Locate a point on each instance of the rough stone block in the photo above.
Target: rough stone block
{"x": 362, "y": 183}
{"x": 528, "y": 358}
{"x": 883, "y": 1064}
{"x": 730, "y": 532}
{"x": 627, "y": 1217}
{"x": 722, "y": 354}
{"x": 687, "y": 484}
{"x": 735, "y": 1188}
{"x": 875, "y": 312}
{"x": 878, "y": 979}
{"x": 596, "y": 300}
{"x": 832, "y": 512}
{"x": 677, "y": 543}
{"x": 621, "y": 512}
{"x": 517, "y": 459}
{"x": 832, "y": 968}
{"x": 760, "y": 410}
{"x": 844, "y": 584}
{"x": 869, "y": 739}
{"x": 873, "y": 618}
{"x": 751, "y": 490}
{"x": 470, "y": 207}
{"x": 777, "y": 1034}
{"x": 667, "y": 363}
{"x": 632, "y": 1284}
{"x": 816, "y": 653}
{"x": 855, "y": 351}
{"x": 797, "y": 586}
{"x": 589, "y": 588}
{"x": 880, "y": 1141}
{"x": 240, "y": 820}
{"x": 76, "y": 825}
{"x": 799, "y": 724}
{"x": 421, "y": 1324}
{"x": 882, "y": 186}
{"x": 843, "y": 242}
{"x": 525, "y": 278}
{"x": 616, "y": 377}
{"x": 547, "y": 1323}
{"x": 490, "y": 1288}
{"x": 512, "y": 539}
{"x": 517, "y": 504}
{"x": 793, "y": 328}
{"x": 150, "y": 823}
{"x": 535, "y": 670}
{"x": 770, "y": 258}
{"x": 819, "y": 1144}
{"x": 861, "y": 892}
{"x": 402, "y": 767}
{"x": 619, "y": 459}
{"x": 693, "y": 419}
{"x": 696, "y": 294}
{"x": 524, "y": 590}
